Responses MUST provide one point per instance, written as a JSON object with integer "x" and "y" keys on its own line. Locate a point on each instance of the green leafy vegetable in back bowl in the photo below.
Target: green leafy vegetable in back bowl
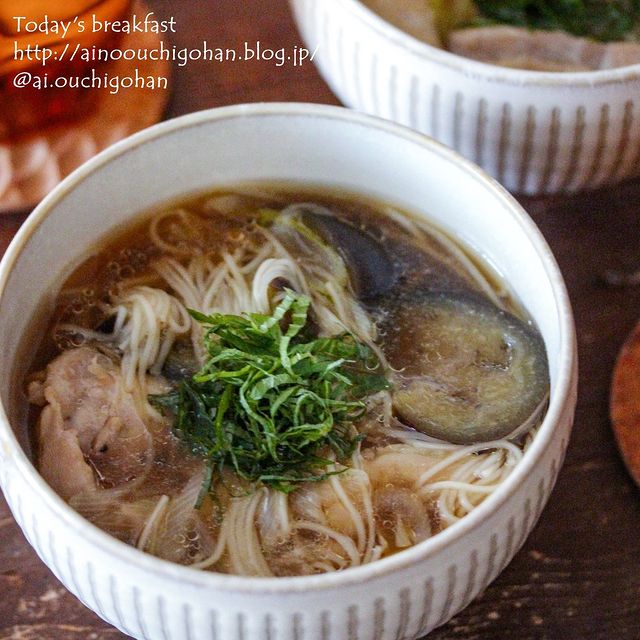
{"x": 605, "y": 20}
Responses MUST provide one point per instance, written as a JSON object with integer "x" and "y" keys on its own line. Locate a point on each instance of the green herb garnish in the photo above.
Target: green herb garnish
{"x": 604, "y": 20}
{"x": 273, "y": 401}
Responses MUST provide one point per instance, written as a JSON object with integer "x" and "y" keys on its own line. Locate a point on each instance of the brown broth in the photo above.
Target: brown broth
{"x": 128, "y": 252}
{"x": 223, "y": 220}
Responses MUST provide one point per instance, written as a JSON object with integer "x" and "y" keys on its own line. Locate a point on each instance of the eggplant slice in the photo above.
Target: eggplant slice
{"x": 351, "y": 251}
{"x": 370, "y": 266}
{"x": 468, "y": 372}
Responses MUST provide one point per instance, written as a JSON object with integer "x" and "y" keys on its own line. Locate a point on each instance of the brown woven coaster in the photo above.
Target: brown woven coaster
{"x": 30, "y": 168}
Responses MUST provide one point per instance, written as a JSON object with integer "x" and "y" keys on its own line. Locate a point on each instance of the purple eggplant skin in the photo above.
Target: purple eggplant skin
{"x": 466, "y": 371}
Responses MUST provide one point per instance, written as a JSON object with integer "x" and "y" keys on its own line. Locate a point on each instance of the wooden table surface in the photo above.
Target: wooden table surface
{"x": 578, "y": 575}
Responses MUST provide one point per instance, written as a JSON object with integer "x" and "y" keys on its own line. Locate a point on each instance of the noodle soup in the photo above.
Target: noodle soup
{"x": 270, "y": 382}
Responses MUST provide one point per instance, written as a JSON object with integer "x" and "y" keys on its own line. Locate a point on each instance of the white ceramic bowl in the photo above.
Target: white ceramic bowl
{"x": 399, "y": 597}
{"x": 535, "y": 132}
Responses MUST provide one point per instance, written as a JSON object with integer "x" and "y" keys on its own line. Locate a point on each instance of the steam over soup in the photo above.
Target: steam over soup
{"x": 282, "y": 383}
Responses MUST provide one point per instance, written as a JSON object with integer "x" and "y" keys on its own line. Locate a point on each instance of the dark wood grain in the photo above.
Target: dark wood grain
{"x": 578, "y": 575}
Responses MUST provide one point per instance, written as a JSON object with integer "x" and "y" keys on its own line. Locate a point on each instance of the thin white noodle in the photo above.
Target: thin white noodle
{"x": 274, "y": 521}
{"x": 406, "y": 223}
{"x": 271, "y": 269}
{"x": 461, "y": 486}
{"x": 149, "y": 320}
{"x": 421, "y": 440}
{"x": 367, "y": 502}
{"x": 152, "y": 522}
{"x": 255, "y": 550}
{"x": 470, "y": 267}
{"x": 344, "y": 541}
{"x": 254, "y": 264}
{"x": 215, "y": 555}
{"x": 351, "y": 509}
{"x": 282, "y": 513}
{"x": 460, "y": 453}
{"x": 338, "y": 561}
{"x": 241, "y": 537}
{"x": 156, "y": 236}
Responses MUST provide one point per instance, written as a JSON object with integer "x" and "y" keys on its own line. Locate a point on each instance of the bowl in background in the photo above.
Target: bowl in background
{"x": 535, "y": 132}
{"x": 402, "y": 596}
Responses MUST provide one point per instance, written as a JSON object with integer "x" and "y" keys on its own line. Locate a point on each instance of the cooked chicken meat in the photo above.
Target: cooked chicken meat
{"x": 90, "y": 426}
{"x": 540, "y": 50}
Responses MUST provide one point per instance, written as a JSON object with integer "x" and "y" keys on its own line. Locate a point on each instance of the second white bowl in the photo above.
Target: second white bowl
{"x": 534, "y": 132}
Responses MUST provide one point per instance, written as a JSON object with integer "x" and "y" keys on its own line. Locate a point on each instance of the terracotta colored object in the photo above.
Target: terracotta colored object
{"x": 625, "y": 403}
{"x": 30, "y": 168}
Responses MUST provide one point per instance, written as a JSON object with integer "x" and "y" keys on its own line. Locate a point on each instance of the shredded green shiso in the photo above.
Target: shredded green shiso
{"x": 273, "y": 401}
{"x": 604, "y": 20}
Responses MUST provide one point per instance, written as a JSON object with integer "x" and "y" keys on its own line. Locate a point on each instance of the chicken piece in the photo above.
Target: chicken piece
{"x": 522, "y": 48}
{"x": 620, "y": 54}
{"x": 402, "y": 517}
{"x": 60, "y": 458}
{"x": 399, "y": 464}
{"x": 320, "y": 503}
{"x": 90, "y": 426}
